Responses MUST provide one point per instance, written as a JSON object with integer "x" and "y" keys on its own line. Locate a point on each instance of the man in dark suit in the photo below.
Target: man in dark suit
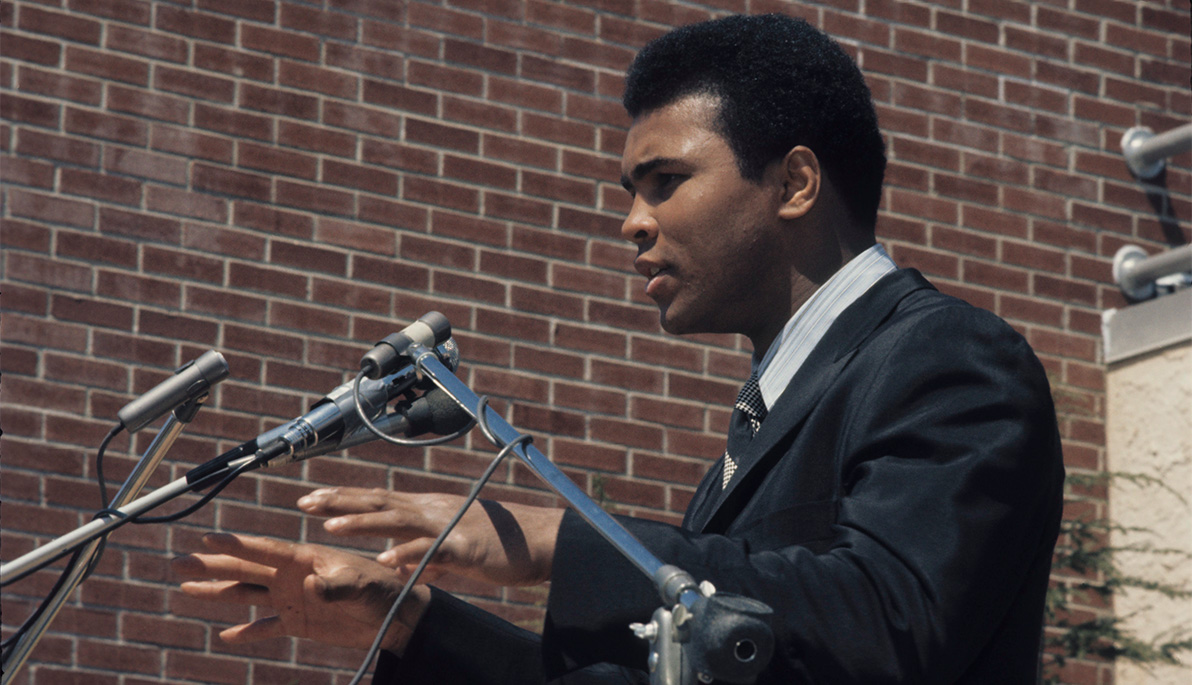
{"x": 892, "y": 480}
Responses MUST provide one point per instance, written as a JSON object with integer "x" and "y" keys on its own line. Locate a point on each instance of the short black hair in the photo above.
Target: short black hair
{"x": 781, "y": 83}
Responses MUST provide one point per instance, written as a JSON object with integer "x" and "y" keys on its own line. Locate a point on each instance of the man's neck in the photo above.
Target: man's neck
{"x": 807, "y": 326}
{"x": 801, "y": 291}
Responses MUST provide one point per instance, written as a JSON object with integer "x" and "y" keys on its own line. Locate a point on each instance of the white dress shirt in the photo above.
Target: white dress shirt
{"x": 812, "y": 320}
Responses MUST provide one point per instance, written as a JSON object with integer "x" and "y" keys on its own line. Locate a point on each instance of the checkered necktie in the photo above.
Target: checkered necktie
{"x": 749, "y": 411}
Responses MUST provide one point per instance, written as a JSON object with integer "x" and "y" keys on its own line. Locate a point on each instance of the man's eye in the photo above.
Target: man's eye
{"x": 667, "y": 180}
{"x": 665, "y": 184}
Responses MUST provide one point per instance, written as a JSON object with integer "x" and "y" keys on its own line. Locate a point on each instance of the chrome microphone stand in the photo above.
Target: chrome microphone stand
{"x": 182, "y": 395}
{"x": 698, "y": 635}
{"x": 135, "y": 482}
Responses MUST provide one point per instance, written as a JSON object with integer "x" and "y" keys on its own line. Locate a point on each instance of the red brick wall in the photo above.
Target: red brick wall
{"x": 288, "y": 182}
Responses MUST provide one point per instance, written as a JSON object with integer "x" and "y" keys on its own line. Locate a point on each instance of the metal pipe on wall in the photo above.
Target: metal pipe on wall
{"x": 1136, "y": 273}
{"x": 1146, "y": 152}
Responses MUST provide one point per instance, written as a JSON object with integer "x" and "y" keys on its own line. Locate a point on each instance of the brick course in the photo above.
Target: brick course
{"x": 288, "y": 183}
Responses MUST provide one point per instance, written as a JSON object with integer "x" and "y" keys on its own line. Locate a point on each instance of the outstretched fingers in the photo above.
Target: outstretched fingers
{"x": 261, "y": 629}
{"x": 236, "y": 558}
{"x": 341, "y": 501}
{"x": 315, "y": 592}
{"x": 263, "y": 551}
{"x": 227, "y": 591}
{"x": 503, "y": 544}
{"x": 374, "y": 512}
{"x": 222, "y": 567}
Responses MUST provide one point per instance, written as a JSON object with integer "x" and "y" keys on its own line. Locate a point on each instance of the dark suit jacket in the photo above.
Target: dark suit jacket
{"x": 898, "y": 510}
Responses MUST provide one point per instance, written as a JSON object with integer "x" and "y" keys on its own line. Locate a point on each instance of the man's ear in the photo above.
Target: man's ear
{"x": 801, "y": 182}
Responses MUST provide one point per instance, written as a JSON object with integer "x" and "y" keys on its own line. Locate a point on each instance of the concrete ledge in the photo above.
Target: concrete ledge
{"x": 1147, "y": 326}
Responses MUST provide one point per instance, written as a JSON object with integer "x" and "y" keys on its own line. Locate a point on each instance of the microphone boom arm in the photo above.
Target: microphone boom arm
{"x": 703, "y": 635}
{"x": 545, "y": 470}
{"x": 90, "y": 533}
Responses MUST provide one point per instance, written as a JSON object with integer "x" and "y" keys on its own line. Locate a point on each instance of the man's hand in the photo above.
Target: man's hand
{"x": 502, "y": 544}
{"x": 317, "y": 592}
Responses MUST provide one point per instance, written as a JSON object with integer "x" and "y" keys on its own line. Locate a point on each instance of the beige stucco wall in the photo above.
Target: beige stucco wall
{"x": 1149, "y": 423}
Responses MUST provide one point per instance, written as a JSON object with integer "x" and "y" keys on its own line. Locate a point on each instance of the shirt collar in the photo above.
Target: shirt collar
{"x": 807, "y": 327}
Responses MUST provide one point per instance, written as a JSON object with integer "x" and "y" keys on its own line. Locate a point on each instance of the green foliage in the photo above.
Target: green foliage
{"x": 1085, "y": 555}
{"x": 597, "y": 491}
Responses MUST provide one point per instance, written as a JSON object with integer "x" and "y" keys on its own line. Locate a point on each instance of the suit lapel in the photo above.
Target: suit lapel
{"x": 711, "y": 511}
{"x": 701, "y": 502}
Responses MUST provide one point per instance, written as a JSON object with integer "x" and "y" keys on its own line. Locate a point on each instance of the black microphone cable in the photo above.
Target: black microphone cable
{"x": 220, "y": 481}
{"x": 103, "y": 446}
{"x": 404, "y": 442}
{"x": 8, "y": 644}
{"x": 482, "y": 421}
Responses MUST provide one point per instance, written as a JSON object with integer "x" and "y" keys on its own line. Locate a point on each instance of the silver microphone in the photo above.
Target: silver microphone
{"x": 192, "y": 380}
{"x": 431, "y": 329}
{"x": 333, "y": 423}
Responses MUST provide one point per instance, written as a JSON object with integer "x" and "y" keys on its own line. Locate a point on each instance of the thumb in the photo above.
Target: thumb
{"x": 411, "y": 553}
{"x": 406, "y": 558}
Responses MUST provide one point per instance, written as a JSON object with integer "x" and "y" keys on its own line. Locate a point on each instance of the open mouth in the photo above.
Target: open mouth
{"x": 655, "y": 278}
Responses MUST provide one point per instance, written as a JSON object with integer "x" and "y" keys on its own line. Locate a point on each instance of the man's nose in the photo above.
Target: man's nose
{"x": 640, "y": 225}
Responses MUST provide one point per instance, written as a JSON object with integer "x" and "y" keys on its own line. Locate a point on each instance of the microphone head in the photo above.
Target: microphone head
{"x": 435, "y": 412}
{"x": 212, "y": 367}
{"x": 391, "y": 352}
{"x": 440, "y": 327}
{"x": 193, "y": 379}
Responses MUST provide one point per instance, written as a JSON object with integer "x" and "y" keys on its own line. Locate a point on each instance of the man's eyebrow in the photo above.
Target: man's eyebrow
{"x": 642, "y": 170}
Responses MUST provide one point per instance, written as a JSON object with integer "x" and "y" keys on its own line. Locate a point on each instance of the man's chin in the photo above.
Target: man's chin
{"x": 675, "y": 325}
